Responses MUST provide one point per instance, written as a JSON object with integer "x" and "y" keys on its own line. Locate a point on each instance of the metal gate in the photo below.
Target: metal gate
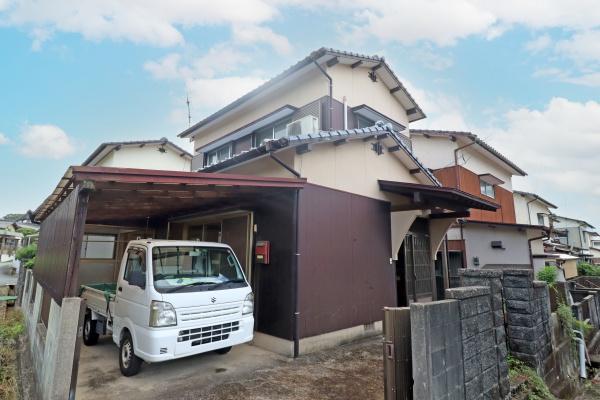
{"x": 418, "y": 267}
{"x": 397, "y": 354}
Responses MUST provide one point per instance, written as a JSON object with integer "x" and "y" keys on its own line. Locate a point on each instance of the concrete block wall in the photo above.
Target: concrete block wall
{"x": 437, "y": 353}
{"x": 528, "y": 313}
{"x": 482, "y": 372}
{"x": 53, "y": 350}
{"x": 493, "y": 280}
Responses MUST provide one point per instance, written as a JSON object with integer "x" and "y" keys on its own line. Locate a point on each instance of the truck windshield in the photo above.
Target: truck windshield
{"x": 195, "y": 268}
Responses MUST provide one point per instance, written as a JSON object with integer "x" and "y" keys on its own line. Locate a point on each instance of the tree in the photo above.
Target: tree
{"x": 13, "y": 217}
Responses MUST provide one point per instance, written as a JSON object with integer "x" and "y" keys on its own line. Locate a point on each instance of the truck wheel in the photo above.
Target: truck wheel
{"x": 129, "y": 363}
{"x": 90, "y": 336}
{"x": 224, "y": 350}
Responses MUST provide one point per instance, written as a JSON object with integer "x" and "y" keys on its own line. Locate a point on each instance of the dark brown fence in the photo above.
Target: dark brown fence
{"x": 59, "y": 246}
{"x": 397, "y": 354}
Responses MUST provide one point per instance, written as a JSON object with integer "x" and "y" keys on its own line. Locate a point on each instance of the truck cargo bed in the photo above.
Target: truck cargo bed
{"x": 99, "y": 297}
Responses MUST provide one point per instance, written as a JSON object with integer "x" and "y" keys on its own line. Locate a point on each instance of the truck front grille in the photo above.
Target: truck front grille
{"x": 208, "y": 334}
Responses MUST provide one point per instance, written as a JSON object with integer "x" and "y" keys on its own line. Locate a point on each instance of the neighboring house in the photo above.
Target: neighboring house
{"x": 145, "y": 154}
{"x": 485, "y": 239}
{"x": 576, "y": 234}
{"x": 595, "y": 247}
{"x": 532, "y": 209}
{"x": 371, "y": 217}
{"x": 10, "y": 241}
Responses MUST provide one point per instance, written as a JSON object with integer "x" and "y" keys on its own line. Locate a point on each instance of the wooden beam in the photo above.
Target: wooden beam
{"x": 414, "y": 171}
{"x": 375, "y": 68}
{"x": 382, "y": 136}
{"x": 303, "y": 148}
{"x": 370, "y": 137}
{"x": 411, "y": 111}
{"x": 394, "y": 90}
{"x": 340, "y": 142}
{"x": 393, "y": 149}
{"x": 356, "y": 64}
{"x": 332, "y": 61}
{"x": 453, "y": 214}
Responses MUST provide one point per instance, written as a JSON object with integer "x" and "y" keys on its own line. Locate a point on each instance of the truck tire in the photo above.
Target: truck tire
{"x": 129, "y": 363}
{"x": 90, "y": 336}
{"x": 224, "y": 350}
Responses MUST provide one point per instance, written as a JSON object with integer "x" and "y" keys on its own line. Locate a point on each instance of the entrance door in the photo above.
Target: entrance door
{"x": 414, "y": 266}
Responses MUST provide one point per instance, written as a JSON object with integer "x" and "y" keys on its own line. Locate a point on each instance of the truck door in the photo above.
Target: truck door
{"x": 131, "y": 305}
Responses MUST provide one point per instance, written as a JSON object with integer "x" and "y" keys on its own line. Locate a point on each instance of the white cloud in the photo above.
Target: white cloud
{"x": 166, "y": 68}
{"x": 559, "y": 147}
{"x": 432, "y": 59}
{"x": 538, "y": 44}
{"x": 217, "y": 92}
{"x": 3, "y": 139}
{"x": 154, "y": 22}
{"x": 45, "y": 141}
{"x": 582, "y": 47}
{"x": 259, "y": 34}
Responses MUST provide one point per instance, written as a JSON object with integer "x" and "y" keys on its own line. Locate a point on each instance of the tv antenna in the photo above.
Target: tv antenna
{"x": 187, "y": 100}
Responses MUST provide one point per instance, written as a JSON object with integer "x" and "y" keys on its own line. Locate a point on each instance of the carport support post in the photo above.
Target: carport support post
{"x": 296, "y": 256}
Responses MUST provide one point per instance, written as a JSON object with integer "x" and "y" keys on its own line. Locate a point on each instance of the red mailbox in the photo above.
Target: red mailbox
{"x": 262, "y": 251}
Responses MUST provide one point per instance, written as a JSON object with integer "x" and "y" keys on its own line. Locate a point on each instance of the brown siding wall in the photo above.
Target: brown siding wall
{"x": 345, "y": 277}
{"x": 56, "y": 266}
{"x": 469, "y": 182}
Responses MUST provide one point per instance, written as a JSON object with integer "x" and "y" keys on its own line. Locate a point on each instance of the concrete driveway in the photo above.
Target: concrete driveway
{"x": 353, "y": 371}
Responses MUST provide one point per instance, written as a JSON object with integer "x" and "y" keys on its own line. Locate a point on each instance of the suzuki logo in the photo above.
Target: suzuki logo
{"x": 213, "y": 299}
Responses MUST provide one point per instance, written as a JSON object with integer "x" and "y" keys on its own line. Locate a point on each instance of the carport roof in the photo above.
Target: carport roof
{"x": 128, "y": 193}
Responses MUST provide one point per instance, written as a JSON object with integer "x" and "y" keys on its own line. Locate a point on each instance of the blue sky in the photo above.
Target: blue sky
{"x": 524, "y": 75}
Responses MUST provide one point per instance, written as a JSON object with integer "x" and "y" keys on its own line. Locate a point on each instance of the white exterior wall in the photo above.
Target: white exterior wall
{"x": 438, "y": 152}
{"x": 358, "y": 89}
{"x": 147, "y": 157}
{"x": 305, "y": 88}
{"x": 352, "y": 167}
{"x": 529, "y": 217}
{"x": 478, "y": 240}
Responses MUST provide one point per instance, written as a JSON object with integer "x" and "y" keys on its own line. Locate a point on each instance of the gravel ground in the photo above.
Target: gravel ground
{"x": 352, "y": 371}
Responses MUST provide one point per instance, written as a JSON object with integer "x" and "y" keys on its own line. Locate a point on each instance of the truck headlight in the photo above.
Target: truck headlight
{"x": 248, "y": 307}
{"x": 162, "y": 314}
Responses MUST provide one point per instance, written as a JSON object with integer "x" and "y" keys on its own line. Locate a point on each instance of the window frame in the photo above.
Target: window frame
{"x": 142, "y": 253}
{"x": 84, "y": 242}
{"x": 541, "y": 219}
{"x": 282, "y": 122}
{"x": 208, "y": 154}
{"x": 364, "y": 119}
{"x": 483, "y": 184}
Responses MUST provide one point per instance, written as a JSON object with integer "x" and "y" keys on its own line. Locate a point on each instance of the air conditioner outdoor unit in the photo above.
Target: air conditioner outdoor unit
{"x": 304, "y": 125}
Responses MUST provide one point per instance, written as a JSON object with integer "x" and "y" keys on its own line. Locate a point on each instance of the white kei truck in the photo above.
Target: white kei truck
{"x": 172, "y": 299}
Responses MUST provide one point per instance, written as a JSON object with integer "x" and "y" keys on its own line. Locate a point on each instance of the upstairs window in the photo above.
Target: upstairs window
{"x": 270, "y": 132}
{"x": 218, "y": 155}
{"x": 487, "y": 189}
{"x": 540, "y": 217}
{"x": 362, "y": 122}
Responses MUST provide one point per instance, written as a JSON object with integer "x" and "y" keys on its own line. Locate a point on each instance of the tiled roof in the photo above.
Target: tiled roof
{"x": 296, "y": 67}
{"x": 319, "y": 137}
{"x": 163, "y": 141}
{"x": 475, "y": 138}
{"x": 535, "y": 196}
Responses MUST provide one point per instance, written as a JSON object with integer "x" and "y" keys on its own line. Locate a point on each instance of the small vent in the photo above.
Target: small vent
{"x": 163, "y": 350}
{"x": 497, "y": 244}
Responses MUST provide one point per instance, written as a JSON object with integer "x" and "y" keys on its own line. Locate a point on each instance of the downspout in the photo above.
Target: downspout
{"x": 547, "y": 236}
{"x": 456, "y": 162}
{"x": 528, "y": 211}
{"x": 284, "y": 165}
{"x": 330, "y": 92}
{"x": 345, "y": 113}
{"x": 295, "y": 302}
{"x": 462, "y": 240}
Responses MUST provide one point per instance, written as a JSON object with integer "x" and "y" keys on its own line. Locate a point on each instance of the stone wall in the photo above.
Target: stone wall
{"x": 455, "y": 352}
{"x": 528, "y": 317}
{"x": 493, "y": 280}
{"x": 52, "y": 351}
{"x": 482, "y": 373}
{"x": 437, "y": 362}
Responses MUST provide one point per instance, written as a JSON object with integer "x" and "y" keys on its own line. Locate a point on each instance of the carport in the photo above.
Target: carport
{"x": 93, "y": 203}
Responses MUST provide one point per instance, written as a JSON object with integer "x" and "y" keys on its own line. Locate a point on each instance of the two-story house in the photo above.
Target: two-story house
{"x": 368, "y": 225}
{"x": 576, "y": 234}
{"x": 485, "y": 239}
{"x": 160, "y": 154}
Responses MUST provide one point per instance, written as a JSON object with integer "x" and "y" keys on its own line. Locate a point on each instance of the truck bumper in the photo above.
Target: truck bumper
{"x": 156, "y": 345}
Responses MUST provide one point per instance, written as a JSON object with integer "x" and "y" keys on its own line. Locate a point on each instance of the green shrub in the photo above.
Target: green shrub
{"x": 548, "y": 274}
{"x": 27, "y": 255}
{"x": 584, "y": 268}
{"x": 532, "y": 386}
